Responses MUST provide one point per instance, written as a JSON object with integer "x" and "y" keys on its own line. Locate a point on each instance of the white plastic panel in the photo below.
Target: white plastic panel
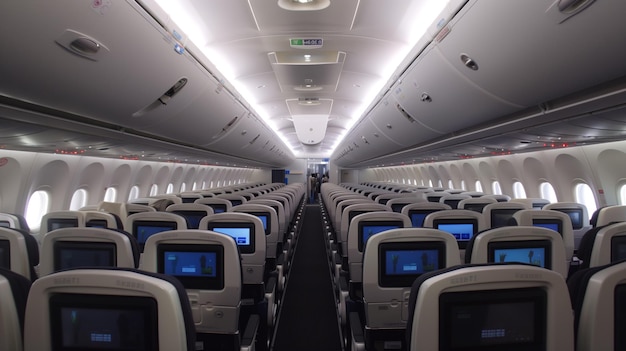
{"x": 526, "y": 54}
{"x": 112, "y": 87}
{"x": 365, "y": 142}
{"x": 392, "y": 120}
{"x": 442, "y": 100}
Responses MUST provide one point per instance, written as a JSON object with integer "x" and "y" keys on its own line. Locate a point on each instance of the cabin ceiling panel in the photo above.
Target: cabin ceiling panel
{"x": 336, "y": 17}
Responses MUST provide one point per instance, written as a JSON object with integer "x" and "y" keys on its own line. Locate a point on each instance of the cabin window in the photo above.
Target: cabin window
{"x": 79, "y": 200}
{"x": 134, "y": 193}
{"x": 439, "y": 183}
{"x": 463, "y": 185}
{"x": 495, "y": 188}
{"x": 183, "y": 187}
{"x": 518, "y": 190}
{"x": 547, "y": 192}
{"x": 170, "y": 188}
{"x": 36, "y": 207}
{"x": 450, "y": 184}
{"x": 622, "y": 194}
{"x": 584, "y": 195}
{"x": 110, "y": 195}
{"x": 154, "y": 190}
{"x": 478, "y": 186}
{"x": 430, "y": 183}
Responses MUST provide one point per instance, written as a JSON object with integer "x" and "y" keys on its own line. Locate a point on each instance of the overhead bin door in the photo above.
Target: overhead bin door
{"x": 111, "y": 61}
{"x": 130, "y": 65}
{"x": 438, "y": 100}
{"x": 363, "y": 143}
{"x": 528, "y": 52}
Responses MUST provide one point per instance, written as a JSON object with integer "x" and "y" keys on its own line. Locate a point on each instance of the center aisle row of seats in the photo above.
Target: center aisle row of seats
{"x": 382, "y": 260}
{"x": 232, "y": 266}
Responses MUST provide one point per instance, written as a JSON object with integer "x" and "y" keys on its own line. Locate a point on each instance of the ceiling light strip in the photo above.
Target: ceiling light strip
{"x": 256, "y": 23}
{"x": 355, "y": 13}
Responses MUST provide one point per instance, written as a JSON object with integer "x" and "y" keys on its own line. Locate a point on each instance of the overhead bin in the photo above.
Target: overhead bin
{"x": 435, "y": 99}
{"x": 249, "y": 138}
{"x": 364, "y": 142}
{"x": 74, "y": 57}
{"x": 134, "y": 65}
{"x": 532, "y": 51}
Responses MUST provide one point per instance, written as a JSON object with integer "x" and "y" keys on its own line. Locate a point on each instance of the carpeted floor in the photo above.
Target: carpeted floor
{"x": 308, "y": 317}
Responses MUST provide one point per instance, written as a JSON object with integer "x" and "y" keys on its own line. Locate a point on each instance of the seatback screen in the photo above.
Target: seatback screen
{"x": 5, "y": 254}
{"x": 58, "y": 223}
{"x": 462, "y": 229}
{"x": 418, "y": 216}
{"x": 575, "y": 215}
{"x": 549, "y": 223}
{"x": 618, "y": 248}
{"x": 535, "y": 252}
{"x": 197, "y": 266}
{"x": 142, "y": 230}
{"x": 193, "y": 218}
{"x": 368, "y": 228}
{"x": 242, "y": 233}
{"x": 103, "y": 322}
{"x": 513, "y": 319}
{"x": 400, "y": 263}
{"x": 500, "y": 217}
{"x": 74, "y": 254}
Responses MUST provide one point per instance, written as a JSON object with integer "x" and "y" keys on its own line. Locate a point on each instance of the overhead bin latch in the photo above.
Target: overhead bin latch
{"x": 562, "y": 10}
{"x": 570, "y": 6}
{"x": 82, "y": 45}
{"x": 163, "y": 99}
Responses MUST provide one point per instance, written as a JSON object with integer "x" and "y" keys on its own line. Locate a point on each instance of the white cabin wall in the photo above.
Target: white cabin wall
{"x": 23, "y": 173}
{"x": 368, "y": 175}
{"x": 349, "y": 176}
{"x": 260, "y": 176}
{"x": 601, "y": 166}
{"x": 297, "y": 171}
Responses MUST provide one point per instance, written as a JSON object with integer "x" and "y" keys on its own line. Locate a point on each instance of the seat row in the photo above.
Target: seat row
{"x": 422, "y": 250}
{"x": 160, "y": 242}
{"x": 478, "y": 307}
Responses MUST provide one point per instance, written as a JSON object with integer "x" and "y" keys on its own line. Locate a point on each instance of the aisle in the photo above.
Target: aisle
{"x": 308, "y": 317}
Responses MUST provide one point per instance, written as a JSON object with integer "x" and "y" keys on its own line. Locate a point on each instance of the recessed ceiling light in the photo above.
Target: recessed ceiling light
{"x": 303, "y": 5}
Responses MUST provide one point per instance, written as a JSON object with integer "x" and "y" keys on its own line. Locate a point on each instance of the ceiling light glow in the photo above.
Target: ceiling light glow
{"x": 183, "y": 15}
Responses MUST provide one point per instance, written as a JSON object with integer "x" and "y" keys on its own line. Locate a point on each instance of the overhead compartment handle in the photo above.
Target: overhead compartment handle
{"x": 569, "y": 6}
{"x": 163, "y": 99}
{"x": 561, "y": 10}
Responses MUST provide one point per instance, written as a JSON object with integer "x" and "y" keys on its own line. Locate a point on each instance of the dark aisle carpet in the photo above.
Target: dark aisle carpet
{"x": 308, "y": 317}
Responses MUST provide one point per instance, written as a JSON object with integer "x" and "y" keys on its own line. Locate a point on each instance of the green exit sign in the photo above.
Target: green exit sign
{"x": 306, "y": 42}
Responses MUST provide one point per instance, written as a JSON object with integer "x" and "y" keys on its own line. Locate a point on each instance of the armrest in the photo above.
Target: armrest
{"x": 357, "y": 332}
{"x": 270, "y": 284}
{"x": 248, "y": 337}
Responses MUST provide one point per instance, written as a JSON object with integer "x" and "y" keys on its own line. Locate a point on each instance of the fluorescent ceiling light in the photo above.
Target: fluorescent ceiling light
{"x": 304, "y": 5}
{"x": 190, "y": 22}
